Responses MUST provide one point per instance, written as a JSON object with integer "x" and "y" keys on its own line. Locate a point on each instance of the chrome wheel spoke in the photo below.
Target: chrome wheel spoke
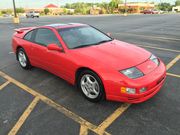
{"x": 22, "y": 59}
{"x": 89, "y": 80}
{"x": 83, "y": 83}
{"x": 95, "y": 88}
{"x": 90, "y": 86}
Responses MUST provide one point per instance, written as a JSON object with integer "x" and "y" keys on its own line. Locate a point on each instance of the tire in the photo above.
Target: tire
{"x": 23, "y": 59}
{"x": 32, "y": 16}
{"x": 92, "y": 90}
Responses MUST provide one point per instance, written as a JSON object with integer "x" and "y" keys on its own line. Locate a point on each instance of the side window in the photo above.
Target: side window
{"x": 28, "y": 36}
{"x": 45, "y": 37}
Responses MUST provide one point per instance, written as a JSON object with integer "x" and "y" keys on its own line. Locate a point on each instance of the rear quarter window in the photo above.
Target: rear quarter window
{"x": 28, "y": 36}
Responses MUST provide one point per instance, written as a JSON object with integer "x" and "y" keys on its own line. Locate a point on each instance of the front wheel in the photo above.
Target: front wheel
{"x": 91, "y": 86}
{"x": 23, "y": 59}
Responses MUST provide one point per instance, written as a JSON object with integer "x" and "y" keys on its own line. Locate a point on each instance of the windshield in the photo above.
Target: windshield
{"x": 82, "y": 36}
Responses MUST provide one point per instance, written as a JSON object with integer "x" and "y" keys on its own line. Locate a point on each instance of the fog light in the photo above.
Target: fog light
{"x": 143, "y": 90}
{"x": 128, "y": 90}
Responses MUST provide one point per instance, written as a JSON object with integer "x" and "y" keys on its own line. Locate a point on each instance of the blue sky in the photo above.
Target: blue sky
{"x": 42, "y": 3}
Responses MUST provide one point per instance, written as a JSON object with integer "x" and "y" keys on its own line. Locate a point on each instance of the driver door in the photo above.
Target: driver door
{"x": 47, "y": 59}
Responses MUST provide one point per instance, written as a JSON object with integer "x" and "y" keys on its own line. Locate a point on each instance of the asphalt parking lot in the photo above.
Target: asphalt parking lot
{"x": 36, "y": 102}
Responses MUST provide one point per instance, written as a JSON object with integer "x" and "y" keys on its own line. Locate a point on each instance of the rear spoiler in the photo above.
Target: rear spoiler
{"x": 21, "y": 30}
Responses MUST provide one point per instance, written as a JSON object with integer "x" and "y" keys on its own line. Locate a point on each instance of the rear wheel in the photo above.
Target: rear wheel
{"x": 91, "y": 86}
{"x": 23, "y": 59}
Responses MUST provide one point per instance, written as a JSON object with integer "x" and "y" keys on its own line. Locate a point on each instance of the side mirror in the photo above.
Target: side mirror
{"x": 109, "y": 34}
{"x": 55, "y": 47}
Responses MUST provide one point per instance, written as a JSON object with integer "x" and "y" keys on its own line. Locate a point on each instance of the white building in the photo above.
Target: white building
{"x": 176, "y": 9}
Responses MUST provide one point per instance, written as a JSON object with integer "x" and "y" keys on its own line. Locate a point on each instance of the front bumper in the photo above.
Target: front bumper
{"x": 153, "y": 81}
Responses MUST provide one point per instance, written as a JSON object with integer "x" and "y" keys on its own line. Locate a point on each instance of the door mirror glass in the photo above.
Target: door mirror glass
{"x": 55, "y": 47}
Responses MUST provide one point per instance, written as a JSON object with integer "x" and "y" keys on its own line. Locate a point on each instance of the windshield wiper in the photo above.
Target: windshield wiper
{"x": 81, "y": 46}
{"x": 103, "y": 41}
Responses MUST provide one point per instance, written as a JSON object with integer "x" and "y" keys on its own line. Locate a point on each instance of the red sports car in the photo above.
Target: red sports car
{"x": 100, "y": 66}
{"x": 150, "y": 11}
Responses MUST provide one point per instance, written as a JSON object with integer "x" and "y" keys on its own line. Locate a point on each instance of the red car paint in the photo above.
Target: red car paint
{"x": 106, "y": 60}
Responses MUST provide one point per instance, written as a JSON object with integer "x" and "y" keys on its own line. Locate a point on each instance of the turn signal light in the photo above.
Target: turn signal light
{"x": 128, "y": 90}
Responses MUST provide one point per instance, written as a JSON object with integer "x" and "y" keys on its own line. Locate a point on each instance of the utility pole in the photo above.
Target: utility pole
{"x": 125, "y": 4}
{"x": 14, "y": 6}
{"x": 16, "y": 18}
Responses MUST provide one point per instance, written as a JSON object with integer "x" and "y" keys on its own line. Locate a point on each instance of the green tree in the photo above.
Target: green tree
{"x": 4, "y": 12}
{"x": 81, "y": 7}
{"x": 114, "y": 5}
{"x": 67, "y": 5}
{"x": 20, "y": 10}
{"x": 46, "y": 11}
{"x": 177, "y": 3}
{"x": 105, "y": 6}
{"x": 165, "y": 6}
{"x": 7, "y": 11}
{"x": 65, "y": 11}
{"x": 84, "y": 8}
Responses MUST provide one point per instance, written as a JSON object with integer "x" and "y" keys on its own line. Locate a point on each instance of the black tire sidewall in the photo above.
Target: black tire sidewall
{"x": 28, "y": 65}
{"x": 101, "y": 95}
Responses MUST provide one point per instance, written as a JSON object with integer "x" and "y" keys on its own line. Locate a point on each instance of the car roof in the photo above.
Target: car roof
{"x": 65, "y": 25}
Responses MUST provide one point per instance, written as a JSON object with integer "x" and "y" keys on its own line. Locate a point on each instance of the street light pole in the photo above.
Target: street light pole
{"x": 16, "y": 18}
{"x": 14, "y": 5}
{"x": 125, "y": 4}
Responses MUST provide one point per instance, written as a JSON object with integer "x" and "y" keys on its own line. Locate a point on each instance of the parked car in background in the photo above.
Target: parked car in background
{"x": 7, "y": 15}
{"x": 161, "y": 12}
{"x": 32, "y": 14}
{"x": 150, "y": 11}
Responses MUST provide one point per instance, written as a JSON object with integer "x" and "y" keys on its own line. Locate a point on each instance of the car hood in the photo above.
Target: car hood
{"x": 118, "y": 54}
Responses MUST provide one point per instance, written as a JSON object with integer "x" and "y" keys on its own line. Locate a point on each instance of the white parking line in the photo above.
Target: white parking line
{"x": 11, "y": 52}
